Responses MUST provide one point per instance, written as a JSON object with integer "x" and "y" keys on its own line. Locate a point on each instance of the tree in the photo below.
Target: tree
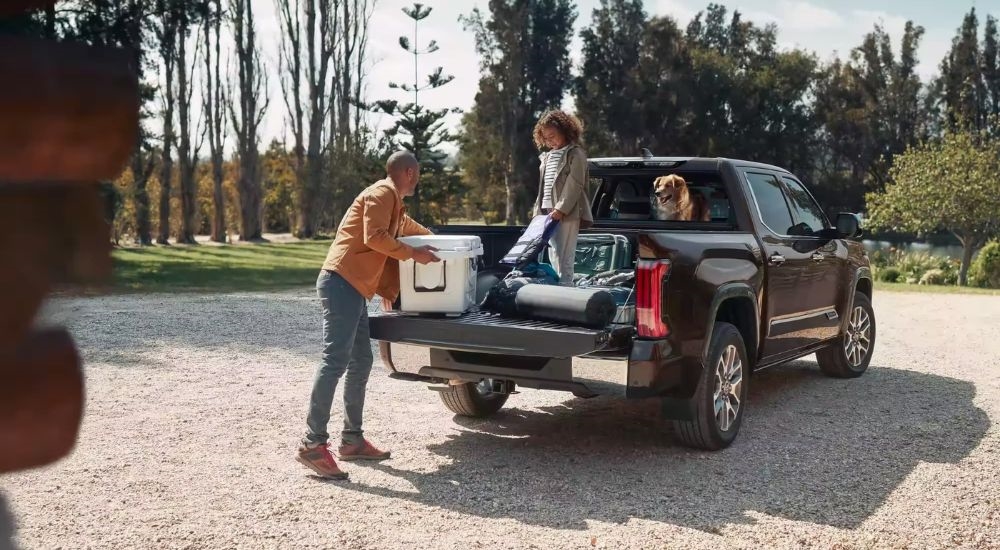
{"x": 951, "y": 185}
{"x": 214, "y": 102}
{"x": 524, "y": 59}
{"x": 166, "y": 36}
{"x": 247, "y": 113}
{"x": 608, "y": 90}
{"x": 870, "y": 109}
{"x": 967, "y": 94}
{"x": 322, "y": 67}
{"x": 418, "y": 129}
{"x": 350, "y": 141}
{"x": 317, "y": 19}
{"x": 187, "y": 149}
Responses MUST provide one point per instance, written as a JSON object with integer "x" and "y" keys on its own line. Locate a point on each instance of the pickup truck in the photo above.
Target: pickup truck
{"x": 767, "y": 280}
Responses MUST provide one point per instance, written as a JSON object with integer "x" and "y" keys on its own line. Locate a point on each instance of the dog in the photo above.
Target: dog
{"x": 671, "y": 200}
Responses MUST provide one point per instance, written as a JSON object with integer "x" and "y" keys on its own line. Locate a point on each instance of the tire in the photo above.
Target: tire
{"x": 470, "y": 400}
{"x": 850, "y": 355}
{"x": 727, "y": 372}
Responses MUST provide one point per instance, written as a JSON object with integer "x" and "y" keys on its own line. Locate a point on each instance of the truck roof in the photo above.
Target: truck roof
{"x": 693, "y": 163}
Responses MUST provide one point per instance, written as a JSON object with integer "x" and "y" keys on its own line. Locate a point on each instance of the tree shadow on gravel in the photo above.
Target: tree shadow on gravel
{"x": 811, "y": 449}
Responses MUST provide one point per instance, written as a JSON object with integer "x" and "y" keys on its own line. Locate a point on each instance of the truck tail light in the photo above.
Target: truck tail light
{"x": 649, "y": 298}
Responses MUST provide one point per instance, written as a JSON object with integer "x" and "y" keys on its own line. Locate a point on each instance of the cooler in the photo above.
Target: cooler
{"x": 448, "y": 286}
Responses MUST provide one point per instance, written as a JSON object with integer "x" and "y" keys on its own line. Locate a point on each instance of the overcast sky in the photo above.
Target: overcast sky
{"x": 823, "y": 26}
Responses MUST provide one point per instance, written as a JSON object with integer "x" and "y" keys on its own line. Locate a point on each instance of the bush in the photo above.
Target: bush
{"x": 889, "y": 275}
{"x": 915, "y": 265}
{"x": 898, "y": 266}
{"x": 985, "y": 270}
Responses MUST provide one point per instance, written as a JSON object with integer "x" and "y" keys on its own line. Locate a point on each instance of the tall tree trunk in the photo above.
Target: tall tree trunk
{"x": 142, "y": 168}
{"x": 251, "y": 205}
{"x": 252, "y": 103}
{"x": 166, "y": 158}
{"x": 167, "y": 40}
{"x": 291, "y": 88}
{"x": 969, "y": 245}
{"x": 214, "y": 108}
{"x": 185, "y": 152}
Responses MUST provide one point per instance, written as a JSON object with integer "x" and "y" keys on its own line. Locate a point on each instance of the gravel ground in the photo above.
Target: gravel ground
{"x": 195, "y": 405}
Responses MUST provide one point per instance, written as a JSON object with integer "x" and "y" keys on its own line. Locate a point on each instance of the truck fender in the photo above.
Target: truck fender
{"x": 727, "y": 292}
{"x": 861, "y": 274}
{"x": 680, "y": 407}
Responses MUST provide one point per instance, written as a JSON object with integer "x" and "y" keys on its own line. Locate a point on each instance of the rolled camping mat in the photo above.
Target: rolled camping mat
{"x": 576, "y": 306}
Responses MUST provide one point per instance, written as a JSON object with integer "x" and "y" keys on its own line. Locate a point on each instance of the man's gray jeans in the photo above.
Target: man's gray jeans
{"x": 347, "y": 349}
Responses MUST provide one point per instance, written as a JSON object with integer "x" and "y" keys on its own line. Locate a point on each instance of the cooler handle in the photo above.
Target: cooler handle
{"x": 444, "y": 279}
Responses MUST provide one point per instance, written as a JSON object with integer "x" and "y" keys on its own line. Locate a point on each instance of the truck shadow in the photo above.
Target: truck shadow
{"x": 811, "y": 449}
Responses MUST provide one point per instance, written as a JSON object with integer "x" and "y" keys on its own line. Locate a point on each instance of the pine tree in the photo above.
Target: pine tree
{"x": 421, "y": 130}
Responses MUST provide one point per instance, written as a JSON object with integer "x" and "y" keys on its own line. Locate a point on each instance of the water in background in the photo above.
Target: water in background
{"x": 952, "y": 251}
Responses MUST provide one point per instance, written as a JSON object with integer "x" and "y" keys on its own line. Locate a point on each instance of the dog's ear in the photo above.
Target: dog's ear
{"x": 677, "y": 181}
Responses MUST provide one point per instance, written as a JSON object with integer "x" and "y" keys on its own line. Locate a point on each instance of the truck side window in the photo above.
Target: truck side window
{"x": 806, "y": 209}
{"x": 771, "y": 203}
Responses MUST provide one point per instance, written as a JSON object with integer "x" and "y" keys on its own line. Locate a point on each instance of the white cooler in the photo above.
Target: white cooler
{"x": 448, "y": 286}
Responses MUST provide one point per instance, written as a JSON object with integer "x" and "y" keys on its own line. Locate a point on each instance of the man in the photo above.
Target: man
{"x": 362, "y": 262}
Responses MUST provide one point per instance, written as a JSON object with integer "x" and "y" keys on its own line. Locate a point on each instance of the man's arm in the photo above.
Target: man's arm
{"x": 378, "y": 212}
{"x": 408, "y": 226}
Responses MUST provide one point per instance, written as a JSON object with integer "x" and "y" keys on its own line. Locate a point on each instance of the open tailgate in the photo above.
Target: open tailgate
{"x": 490, "y": 333}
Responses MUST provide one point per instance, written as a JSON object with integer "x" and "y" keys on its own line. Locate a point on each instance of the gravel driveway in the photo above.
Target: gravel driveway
{"x": 196, "y": 402}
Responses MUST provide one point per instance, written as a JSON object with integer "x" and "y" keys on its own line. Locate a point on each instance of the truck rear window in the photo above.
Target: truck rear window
{"x": 633, "y": 197}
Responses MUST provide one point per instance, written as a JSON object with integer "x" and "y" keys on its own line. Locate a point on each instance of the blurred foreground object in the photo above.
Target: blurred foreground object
{"x": 70, "y": 119}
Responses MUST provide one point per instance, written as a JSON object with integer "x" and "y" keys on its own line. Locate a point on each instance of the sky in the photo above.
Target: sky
{"x": 825, "y": 27}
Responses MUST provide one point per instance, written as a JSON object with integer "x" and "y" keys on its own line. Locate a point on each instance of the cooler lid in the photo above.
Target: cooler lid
{"x": 463, "y": 245}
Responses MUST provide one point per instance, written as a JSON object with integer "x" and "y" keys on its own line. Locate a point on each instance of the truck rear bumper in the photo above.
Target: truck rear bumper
{"x": 636, "y": 374}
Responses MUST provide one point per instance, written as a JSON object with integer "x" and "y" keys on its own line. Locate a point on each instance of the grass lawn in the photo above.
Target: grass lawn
{"x": 934, "y": 289}
{"x": 262, "y": 267}
{"x": 208, "y": 268}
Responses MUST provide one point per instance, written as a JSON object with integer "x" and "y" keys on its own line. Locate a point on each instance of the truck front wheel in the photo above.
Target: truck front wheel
{"x": 473, "y": 399}
{"x": 849, "y": 356}
{"x": 721, "y": 396}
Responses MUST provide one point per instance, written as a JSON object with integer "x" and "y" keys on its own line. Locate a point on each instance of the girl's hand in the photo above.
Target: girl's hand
{"x": 557, "y": 215}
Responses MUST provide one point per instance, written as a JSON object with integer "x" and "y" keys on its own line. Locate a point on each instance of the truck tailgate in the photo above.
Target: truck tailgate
{"x": 491, "y": 333}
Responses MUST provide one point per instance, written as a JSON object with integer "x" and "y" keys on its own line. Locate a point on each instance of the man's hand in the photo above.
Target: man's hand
{"x": 425, "y": 254}
{"x": 557, "y": 215}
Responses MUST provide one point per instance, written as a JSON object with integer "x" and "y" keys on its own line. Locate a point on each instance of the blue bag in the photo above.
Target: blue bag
{"x": 531, "y": 243}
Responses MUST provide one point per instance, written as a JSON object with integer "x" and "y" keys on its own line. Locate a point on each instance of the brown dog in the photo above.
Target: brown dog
{"x": 673, "y": 201}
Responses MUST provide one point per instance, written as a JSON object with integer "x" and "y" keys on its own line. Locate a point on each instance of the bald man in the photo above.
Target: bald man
{"x": 360, "y": 264}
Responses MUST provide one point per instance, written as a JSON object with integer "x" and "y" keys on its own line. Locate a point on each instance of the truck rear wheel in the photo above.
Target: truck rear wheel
{"x": 721, "y": 396}
{"x": 849, "y": 355}
{"x": 473, "y": 399}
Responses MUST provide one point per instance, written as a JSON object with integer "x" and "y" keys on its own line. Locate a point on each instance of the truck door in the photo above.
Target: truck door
{"x": 826, "y": 274}
{"x": 786, "y": 304}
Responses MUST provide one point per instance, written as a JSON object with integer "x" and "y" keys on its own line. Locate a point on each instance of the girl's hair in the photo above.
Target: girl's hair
{"x": 568, "y": 125}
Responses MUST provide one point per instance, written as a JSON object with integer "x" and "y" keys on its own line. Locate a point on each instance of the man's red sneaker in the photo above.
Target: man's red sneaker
{"x": 362, "y": 451}
{"x": 319, "y": 460}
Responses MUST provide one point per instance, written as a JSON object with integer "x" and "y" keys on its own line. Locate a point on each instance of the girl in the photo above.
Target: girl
{"x": 562, "y": 188}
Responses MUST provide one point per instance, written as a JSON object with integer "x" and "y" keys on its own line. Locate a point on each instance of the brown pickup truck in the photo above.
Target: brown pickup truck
{"x": 768, "y": 279}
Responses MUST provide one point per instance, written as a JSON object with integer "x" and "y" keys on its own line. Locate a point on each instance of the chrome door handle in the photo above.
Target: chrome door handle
{"x": 777, "y": 259}
{"x": 817, "y": 257}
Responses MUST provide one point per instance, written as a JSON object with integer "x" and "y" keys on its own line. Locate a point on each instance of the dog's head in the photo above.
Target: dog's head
{"x": 669, "y": 188}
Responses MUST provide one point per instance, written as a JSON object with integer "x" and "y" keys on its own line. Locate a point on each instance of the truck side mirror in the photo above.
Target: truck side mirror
{"x": 848, "y": 225}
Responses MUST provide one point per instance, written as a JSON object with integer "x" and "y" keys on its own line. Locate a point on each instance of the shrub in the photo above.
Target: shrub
{"x": 889, "y": 275}
{"x": 915, "y": 265}
{"x": 985, "y": 270}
